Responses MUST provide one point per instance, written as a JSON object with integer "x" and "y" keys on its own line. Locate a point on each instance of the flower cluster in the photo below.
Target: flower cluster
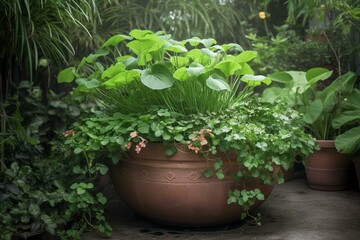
{"x": 199, "y": 140}
{"x": 68, "y": 133}
{"x": 141, "y": 144}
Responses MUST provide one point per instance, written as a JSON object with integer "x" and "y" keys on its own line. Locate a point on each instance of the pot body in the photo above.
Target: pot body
{"x": 357, "y": 168}
{"x": 327, "y": 169}
{"x": 173, "y": 191}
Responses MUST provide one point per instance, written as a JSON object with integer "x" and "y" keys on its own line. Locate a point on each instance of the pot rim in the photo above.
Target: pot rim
{"x": 326, "y": 143}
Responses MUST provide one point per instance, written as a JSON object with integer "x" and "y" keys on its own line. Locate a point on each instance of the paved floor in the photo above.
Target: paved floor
{"x": 293, "y": 211}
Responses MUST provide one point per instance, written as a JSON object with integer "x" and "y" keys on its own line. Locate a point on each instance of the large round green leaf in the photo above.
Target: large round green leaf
{"x": 256, "y": 80}
{"x": 113, "y": 70}
{"x": 122, "y": 78}
{"x": 115, "y": 40}
{"x": 195, "y": 69}
{"x": 314, "y": 75}
{"x": 217, "y": 83}
{"x": 232, "y": 46}
{"x": 179, "y": 61}
{"x": 228, "y": 67}
{"x": 67, "y": 75}
{"x": 174, "y": 48}
{"x": 281, "y": 77}
{"x": 100, "y": 53}
{"x": 157, "y": 78}
{"x": 181, "y": 74}
{"x": 246, "y": 56}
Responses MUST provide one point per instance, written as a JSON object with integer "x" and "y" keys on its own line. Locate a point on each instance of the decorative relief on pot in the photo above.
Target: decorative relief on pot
{"x": 170, "y": 176}
{"x": 144, "y": 174}
{"x": 194, "y": 176}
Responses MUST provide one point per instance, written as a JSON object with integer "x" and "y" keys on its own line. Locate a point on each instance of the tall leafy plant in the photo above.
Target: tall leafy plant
{"x": 319, "y": 105}
{"x": 349, "y": 121}
{"x": 189, "y": 76}
{"x": 34, "y": 34}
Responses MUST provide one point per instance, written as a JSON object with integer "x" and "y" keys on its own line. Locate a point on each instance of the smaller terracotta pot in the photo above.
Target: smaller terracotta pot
{"x": 327, "y": 169}
{"x": 357, "y": 167}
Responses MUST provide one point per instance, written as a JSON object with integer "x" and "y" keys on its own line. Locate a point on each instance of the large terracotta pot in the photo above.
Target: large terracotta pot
{"x": 173, "y": 191}
{"x": 327, "y": 169}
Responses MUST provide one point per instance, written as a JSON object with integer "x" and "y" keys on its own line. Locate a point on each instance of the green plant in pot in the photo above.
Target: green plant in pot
{"x": 326, "y": 169}
{"x": 186, "y": 143}
{"x": 348, "y": 142}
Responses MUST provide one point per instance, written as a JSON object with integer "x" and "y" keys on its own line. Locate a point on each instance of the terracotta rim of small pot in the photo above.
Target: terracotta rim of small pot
{"x": 326, "y": 143}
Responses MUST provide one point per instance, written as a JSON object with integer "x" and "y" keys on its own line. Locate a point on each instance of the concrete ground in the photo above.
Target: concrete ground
{"x": 293, "y": 211}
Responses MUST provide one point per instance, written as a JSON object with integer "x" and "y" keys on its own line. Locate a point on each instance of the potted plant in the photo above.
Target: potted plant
{"x": 348, "y": 142}
{"x": 326, "y": 169}
{"x": 189, "y": 144}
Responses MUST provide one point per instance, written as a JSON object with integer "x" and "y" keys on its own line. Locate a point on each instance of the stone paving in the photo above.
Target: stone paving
{"x": 293, "y": 211}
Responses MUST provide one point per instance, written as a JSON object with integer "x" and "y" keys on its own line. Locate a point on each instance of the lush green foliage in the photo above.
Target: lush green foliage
{"x": 263, "y": 135}
{"x": 189, "y": 76}
{"x": 336, "y": 21}
{"x": 319, "y": 105}
{"x": 287, "y": 51}
{"x": 34, "y": 30}
{"x": 349, "y": 122}
{"x": 34, "y": 197}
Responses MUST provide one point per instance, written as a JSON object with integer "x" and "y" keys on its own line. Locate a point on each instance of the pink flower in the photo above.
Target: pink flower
{"x": 128, "y": 145}
{"x": 133, "y": 134}
{"x": 195, "y": 149}
{"x": 202, "y": 140}
{"x": 137, "y": 148}
{"x": 142, "y": 144}
{"x": 69, "y": 133}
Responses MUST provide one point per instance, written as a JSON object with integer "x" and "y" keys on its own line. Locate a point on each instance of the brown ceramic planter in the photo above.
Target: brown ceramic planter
{"x": 357, "y": 167}
{"x": 172, "y": 190}
{"x": 327, "y": 169}
{"x": 288, "y": 174}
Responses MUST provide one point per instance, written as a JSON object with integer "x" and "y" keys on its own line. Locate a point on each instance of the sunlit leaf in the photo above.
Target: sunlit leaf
{"x": 115, "y": 40}
{"x": 217, "y": 83}
{"x": 157, "y": 78}
{"x": 227, "y": 67}
{"x": 246, "y": 56}
{"x": 67, "y": 75}
{"x": 195, "y": 69}
{"x": 113, "y": 70}
{"x": 256, "y": 80}
{"x": 93, "y": 83}
{"x": 181, "y": 74}
{"x": 122, "y": 78}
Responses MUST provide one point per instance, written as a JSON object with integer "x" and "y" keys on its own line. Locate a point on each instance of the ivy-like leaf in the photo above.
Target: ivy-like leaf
{"x": 208, "y": 173}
